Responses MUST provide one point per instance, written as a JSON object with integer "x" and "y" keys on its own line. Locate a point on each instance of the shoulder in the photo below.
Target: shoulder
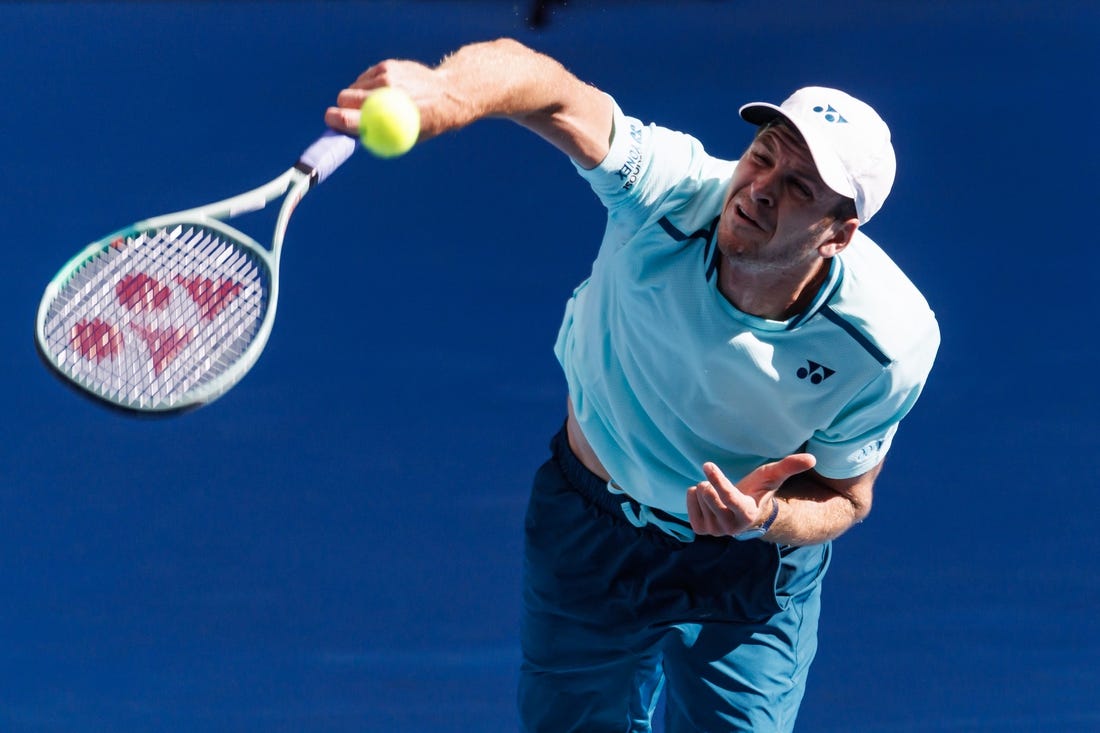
{"x": 879, "y": 303}
{"x": 647, "y": 164}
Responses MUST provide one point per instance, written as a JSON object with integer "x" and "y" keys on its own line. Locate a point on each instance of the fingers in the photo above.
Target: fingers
{"x": 727, "y": 494}
{"x": 369, "y": 78}
{"x": 719, "y": 507}
{"x": 352, "y": 97}
{"x": 716, "y": 477}
{"x": 708, "y": 514}
{"x": 382, "y": 74}
{"x": 343, "y": 119}
{"x": 440, "y": 111}
{"x": 391, "y": 73}
{"x": 344, "y": 116}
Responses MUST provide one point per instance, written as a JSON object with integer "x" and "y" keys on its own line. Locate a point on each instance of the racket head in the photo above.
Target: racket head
{"x": 161, "y": 317}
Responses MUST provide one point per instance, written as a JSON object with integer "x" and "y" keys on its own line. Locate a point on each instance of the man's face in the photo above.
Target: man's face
{"x": 777, "y": 214}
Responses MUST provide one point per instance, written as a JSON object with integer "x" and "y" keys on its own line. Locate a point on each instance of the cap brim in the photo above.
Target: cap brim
{"x": 760, "y": 113}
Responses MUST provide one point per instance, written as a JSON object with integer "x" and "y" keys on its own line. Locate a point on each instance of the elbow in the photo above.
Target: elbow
{"x": 861, "y": 509}
{"x": 509, "y": 45}
{"x": 507, "y": 41}
{"x": 860, "y": 494}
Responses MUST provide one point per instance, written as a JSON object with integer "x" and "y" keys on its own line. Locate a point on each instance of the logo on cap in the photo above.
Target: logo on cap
{"x": 831, "y": 115}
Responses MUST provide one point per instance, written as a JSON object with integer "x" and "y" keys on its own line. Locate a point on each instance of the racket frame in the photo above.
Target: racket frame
{"x": 320, "y": 160}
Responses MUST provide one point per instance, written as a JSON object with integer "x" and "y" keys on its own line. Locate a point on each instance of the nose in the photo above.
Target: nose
{"x": 763, "y": 188}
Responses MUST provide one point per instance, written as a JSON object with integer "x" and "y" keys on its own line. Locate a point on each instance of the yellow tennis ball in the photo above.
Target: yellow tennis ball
{"x": 389, "y": 122}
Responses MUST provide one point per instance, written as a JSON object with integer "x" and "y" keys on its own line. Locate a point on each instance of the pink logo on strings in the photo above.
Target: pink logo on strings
{"x": 210, "y": 296}
{"x": 164, "y": 344}
{"x": 97, "y": 340}
{"x": 142, "y": 293}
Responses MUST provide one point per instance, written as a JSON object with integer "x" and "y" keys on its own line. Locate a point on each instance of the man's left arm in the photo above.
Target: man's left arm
{"x": 811, "y": 508}
{"x": 814, "y": 509}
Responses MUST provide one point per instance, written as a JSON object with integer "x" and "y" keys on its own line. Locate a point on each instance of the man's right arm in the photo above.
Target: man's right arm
{"x": 500, "y": 78}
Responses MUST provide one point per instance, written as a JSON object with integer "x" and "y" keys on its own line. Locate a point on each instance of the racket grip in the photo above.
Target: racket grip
{"x": 326, "y": 154}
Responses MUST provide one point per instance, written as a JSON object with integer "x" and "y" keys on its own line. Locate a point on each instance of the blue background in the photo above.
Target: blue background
{"x": 335, "y": 544}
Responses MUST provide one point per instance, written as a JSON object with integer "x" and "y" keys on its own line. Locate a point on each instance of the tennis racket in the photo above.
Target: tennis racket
{"x": 169, "y": 313}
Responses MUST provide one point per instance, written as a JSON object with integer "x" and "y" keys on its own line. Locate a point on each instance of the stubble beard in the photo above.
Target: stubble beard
{"x": 753, "y": 257}
{"x": 766, "y": 256}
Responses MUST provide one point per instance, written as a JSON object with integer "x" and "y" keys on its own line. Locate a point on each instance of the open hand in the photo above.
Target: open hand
{"x": 719, "y": 507}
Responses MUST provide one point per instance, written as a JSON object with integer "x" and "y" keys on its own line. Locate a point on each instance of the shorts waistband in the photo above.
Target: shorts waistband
{"x": 613, "y": 499}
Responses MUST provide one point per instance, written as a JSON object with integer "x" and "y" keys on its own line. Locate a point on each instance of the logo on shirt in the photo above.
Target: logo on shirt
{"x": 633, "y": 165}
{"x": 867, "y": 452}
{"x": 816, "y": 373}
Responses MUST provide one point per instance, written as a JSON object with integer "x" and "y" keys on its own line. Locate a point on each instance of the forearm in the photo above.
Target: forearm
{"x": 811, "y": 512}
{"x": 500, "y": 78}
{"x": 504, "y": 78}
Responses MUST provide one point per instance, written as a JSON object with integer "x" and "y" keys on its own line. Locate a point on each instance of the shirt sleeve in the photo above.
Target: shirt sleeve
{"x": 646, "y": 168}
{"x": 860, "y": 437}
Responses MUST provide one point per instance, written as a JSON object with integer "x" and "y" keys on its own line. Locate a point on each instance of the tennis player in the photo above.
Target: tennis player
{"x": 737, "y": 361}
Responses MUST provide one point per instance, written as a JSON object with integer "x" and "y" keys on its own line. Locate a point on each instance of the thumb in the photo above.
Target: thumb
{"x": 784, "y": 468}
{"x": 770, "y": 476}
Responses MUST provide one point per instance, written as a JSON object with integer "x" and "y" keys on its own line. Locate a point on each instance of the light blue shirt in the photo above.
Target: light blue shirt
{"x": 665, "y": 373}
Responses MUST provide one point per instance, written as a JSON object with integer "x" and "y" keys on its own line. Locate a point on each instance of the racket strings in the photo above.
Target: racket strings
{"x": 150, "y": 318}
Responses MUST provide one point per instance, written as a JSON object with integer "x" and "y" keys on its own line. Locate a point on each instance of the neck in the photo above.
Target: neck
{"x": 773, "y": 294}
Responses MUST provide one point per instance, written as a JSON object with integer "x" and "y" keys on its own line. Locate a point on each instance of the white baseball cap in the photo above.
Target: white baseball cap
{"x": 849, "y": 142}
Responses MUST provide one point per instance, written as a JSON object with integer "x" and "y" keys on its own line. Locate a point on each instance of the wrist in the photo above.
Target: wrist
{"x": 759, "y": 530}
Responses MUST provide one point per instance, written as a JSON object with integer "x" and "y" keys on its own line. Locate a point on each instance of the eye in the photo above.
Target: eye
{"x": 761, "y": 158}
{"x": 801, "y": 189}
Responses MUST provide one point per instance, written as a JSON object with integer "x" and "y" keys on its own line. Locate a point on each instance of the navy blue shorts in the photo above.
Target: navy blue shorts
{"x": 614, "y": 613}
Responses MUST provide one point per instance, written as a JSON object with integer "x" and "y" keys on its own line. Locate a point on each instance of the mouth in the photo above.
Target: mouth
{"x": 744, "y": 216}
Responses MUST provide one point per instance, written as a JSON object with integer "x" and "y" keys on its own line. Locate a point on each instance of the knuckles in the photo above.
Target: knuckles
{"x": 351, "y": 98}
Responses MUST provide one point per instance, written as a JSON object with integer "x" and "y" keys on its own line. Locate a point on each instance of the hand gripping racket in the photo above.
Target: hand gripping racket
{"x": 170, "y": 312}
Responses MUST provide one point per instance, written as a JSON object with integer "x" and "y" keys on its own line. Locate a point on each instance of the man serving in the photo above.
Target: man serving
{"x": 738, "y": 362}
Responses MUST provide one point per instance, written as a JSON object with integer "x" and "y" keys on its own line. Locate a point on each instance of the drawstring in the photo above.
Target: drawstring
{"x": 640, "y": 515}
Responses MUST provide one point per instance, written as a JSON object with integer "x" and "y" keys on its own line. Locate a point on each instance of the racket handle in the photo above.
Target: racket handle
{"x": 325, "y": 155}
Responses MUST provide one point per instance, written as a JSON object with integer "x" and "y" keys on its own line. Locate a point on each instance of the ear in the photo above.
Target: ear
{"x": 839, "y": 235}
